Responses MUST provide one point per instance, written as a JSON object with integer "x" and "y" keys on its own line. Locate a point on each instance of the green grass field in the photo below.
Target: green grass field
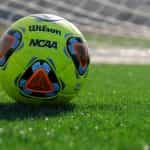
{"x": 112, "y": 111}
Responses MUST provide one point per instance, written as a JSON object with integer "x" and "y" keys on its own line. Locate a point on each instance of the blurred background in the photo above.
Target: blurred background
{"x": 118, "y": 31}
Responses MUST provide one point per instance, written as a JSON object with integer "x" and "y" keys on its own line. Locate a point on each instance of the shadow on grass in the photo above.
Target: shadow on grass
{"x": 15, "y": 111}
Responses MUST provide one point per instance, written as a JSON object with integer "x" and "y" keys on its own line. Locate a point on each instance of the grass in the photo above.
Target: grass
{"x": 117, "y": 41}
{"x": 112, "y": 111}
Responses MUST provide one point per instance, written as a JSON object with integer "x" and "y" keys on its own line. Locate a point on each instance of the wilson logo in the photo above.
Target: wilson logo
{"x": 43, "y": 43}
{"x": 44, "y": 28}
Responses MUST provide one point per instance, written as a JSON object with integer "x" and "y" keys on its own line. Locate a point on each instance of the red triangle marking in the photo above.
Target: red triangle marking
{"x": 81, "y": 52}
{"x": 39, "y": 82}
{"x": 7, "y": 43}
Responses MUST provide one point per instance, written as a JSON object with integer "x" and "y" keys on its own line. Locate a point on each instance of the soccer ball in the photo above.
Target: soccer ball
{"x": 43, "y": 58}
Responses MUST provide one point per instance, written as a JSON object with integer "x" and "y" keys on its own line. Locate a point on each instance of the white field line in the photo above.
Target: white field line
{"x": 120, "y": 56}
